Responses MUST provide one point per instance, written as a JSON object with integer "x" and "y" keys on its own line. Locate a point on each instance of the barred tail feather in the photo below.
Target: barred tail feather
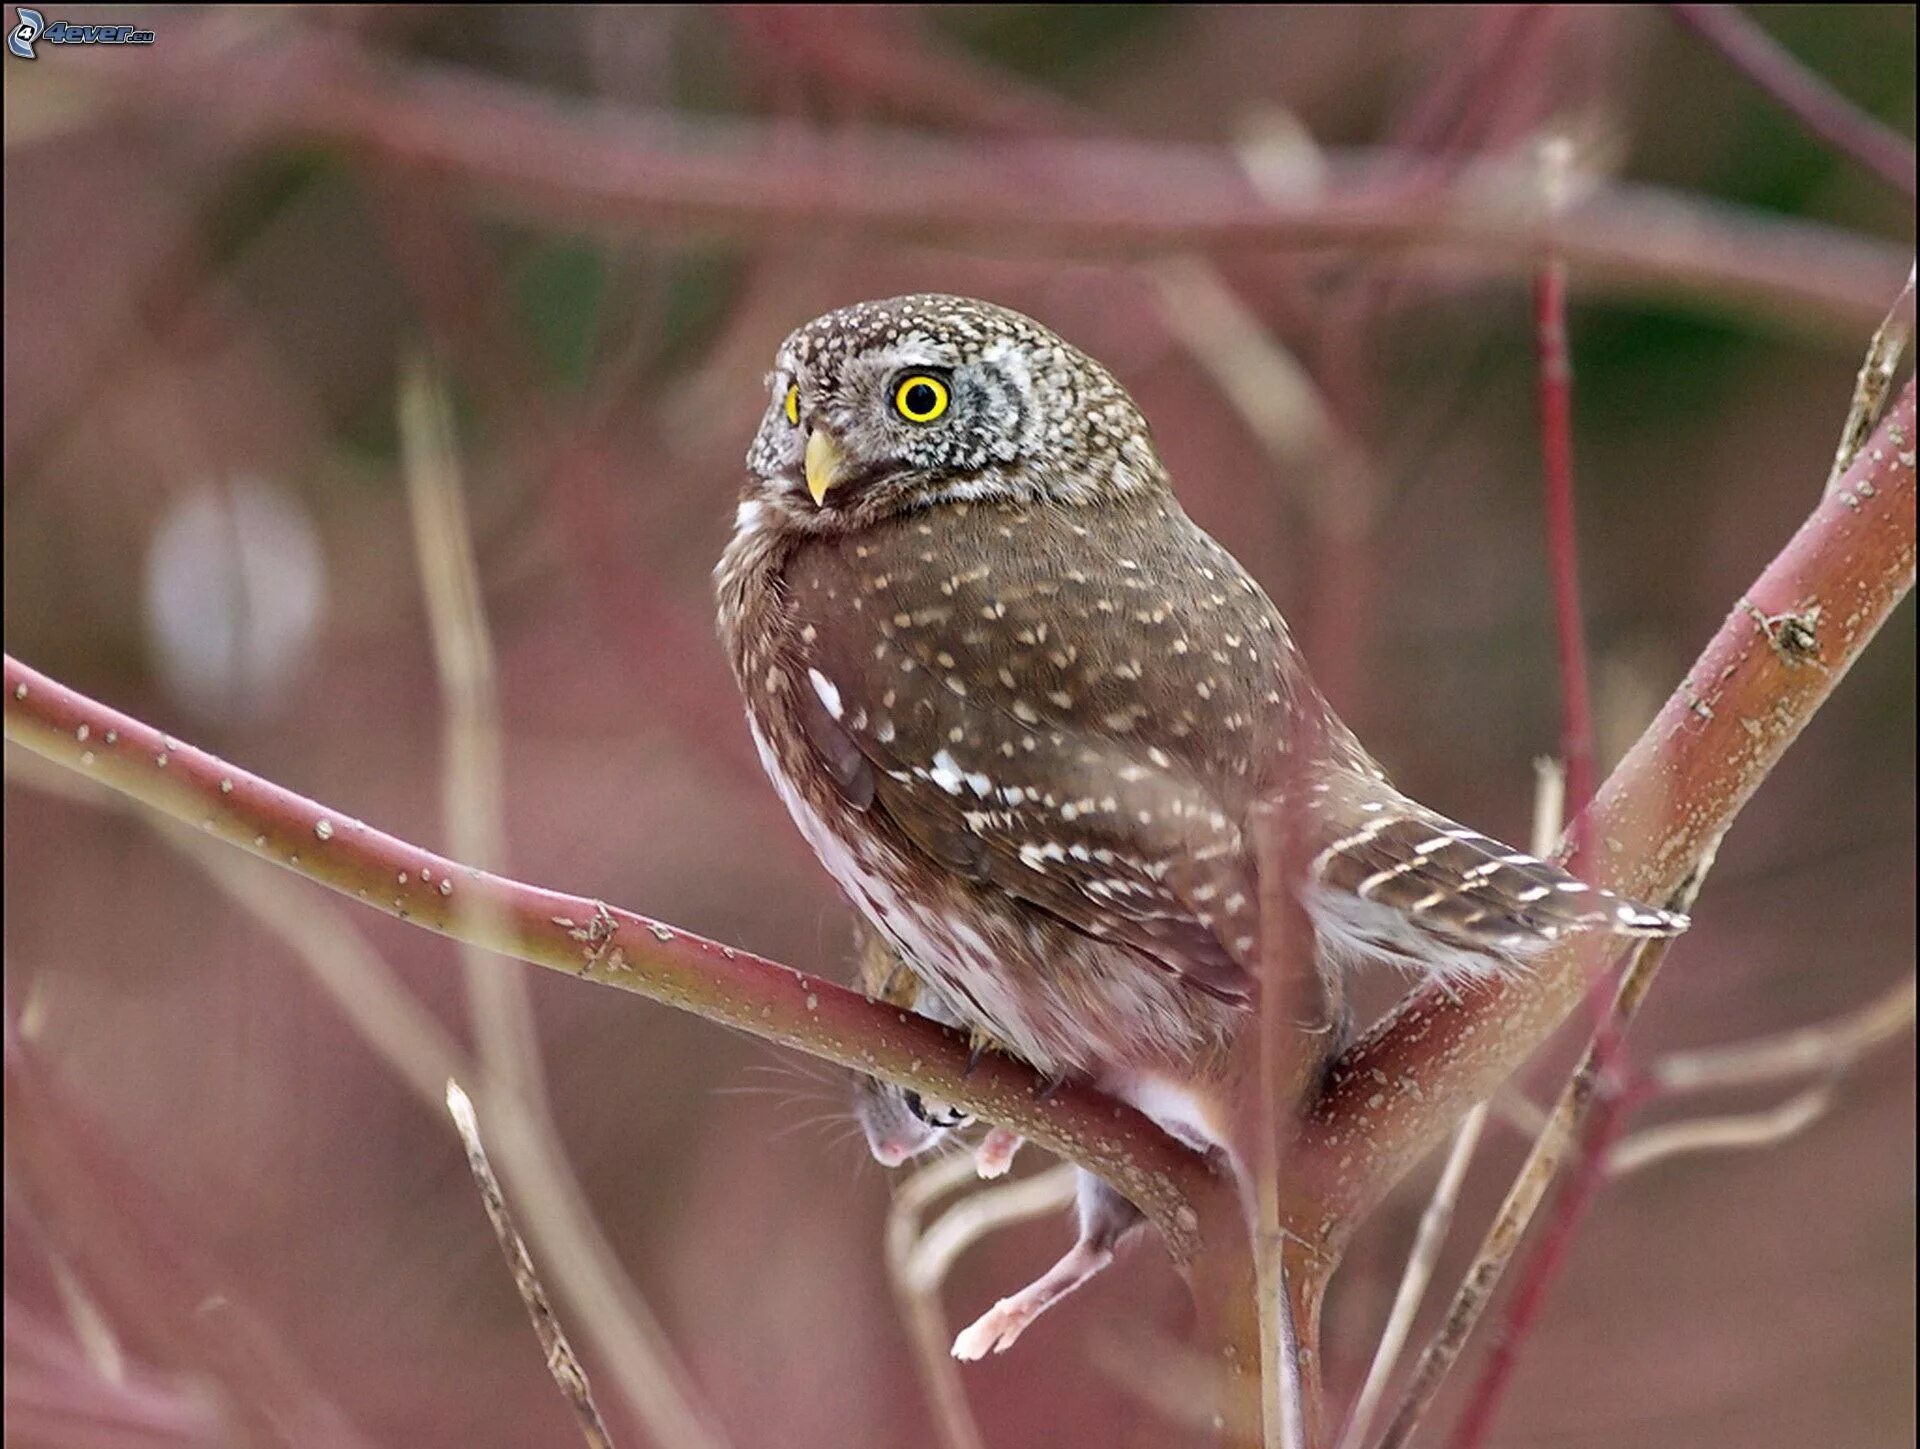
{"x": 1393, "y": 880}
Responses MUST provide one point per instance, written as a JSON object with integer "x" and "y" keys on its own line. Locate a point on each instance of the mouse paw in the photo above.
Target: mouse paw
{"x": 995, "y": 1153}
{"x": 995, "y": 1330}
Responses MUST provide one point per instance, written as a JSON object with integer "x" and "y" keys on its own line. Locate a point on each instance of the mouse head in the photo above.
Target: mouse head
{"x": 899, "y": 1122}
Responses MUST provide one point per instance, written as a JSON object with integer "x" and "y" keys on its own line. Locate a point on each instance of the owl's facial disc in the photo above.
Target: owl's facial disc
{"x": 889, "y": 407}
{"x": 880, "y": 427}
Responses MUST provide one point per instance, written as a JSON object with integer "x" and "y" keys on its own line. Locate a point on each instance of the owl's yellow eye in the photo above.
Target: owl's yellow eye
{"x": 920, "y": 398}
{"x": 793, "y": 403}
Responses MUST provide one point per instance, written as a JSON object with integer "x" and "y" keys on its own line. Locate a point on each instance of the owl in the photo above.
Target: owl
{"x": 1029, "y": 716}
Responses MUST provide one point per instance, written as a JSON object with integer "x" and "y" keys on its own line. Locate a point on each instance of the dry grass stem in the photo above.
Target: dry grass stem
{"x": 1720, "y": 1134}
{"x": 1828, "y": 1046}
{"x": 472, "y": 788}
{"x": 919, "y": 1305}
{"x": 1529, "y": 1189}
{"x": 981, "y": 1213}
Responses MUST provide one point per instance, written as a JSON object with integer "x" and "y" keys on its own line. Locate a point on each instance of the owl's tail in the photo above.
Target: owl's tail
{"x": 1399, "y": 882}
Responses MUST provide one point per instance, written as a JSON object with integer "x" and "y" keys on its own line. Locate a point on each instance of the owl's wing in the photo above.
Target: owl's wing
{"x": 1084, "y": 740}
{"x": 1078, "y": 846}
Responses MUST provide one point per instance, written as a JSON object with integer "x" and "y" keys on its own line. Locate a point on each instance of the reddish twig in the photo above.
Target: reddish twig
{"x": 1814, "y": 103}
{"x": 598, "y": 943}
{"x": 1721, "y": 733}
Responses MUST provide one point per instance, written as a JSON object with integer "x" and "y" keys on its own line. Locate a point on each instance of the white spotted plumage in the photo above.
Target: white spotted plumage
{"x": 1025, "y": 712}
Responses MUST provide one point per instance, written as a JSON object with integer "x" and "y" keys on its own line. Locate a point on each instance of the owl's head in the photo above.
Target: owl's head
{"x": 883, "y": 407}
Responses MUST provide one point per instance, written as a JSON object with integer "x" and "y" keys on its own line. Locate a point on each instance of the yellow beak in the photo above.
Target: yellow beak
{"x": 824, "y": 464}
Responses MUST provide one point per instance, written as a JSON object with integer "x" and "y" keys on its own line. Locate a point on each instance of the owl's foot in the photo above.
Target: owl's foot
{"x": 996, "y": 1329}
{"x": 995, "y": 1153}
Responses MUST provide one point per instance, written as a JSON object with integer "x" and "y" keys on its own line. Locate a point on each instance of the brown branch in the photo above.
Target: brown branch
{"x": 562, "y": 1362}
{"x": 626, "y": 171}
{"x": 1817, "y": 105}
{"x": 595, "y": 942}
{"x": 1401, "y": 1088}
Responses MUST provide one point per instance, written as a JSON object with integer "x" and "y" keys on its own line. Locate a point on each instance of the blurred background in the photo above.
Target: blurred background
{"x": 1301, "y": 236}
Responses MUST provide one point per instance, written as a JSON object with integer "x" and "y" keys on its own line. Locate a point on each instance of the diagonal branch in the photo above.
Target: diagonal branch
{"x": 1815, "y": 104}
{"x": 1402, "y": 1087}
{"x": 595, "y": 942}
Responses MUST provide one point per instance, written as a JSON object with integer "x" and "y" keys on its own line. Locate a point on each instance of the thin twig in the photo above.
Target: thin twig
{"x": 561, "y": 1362}
{"x": 648, "y": 1372}
{"x": 982, "y": 1212}
{"x": 471, "y": 778}
{"x": 1428, "y": 1240}
{"x": 919, "y": 1306}
{"x": 1817, "y": 105}
{"x": 1287, "y": 1061}
{"x": 1828, "y": 1049}
{"x": 1608, "y": 1114}
{"x": 1721, "y": 1134}
{"x": 1556, "y": 457}
{"x": 1827, "y": 1046}
{"x": 1874, "y": 381}
{"x": 1273, "y": 394}
{"x": 1600, "y": 1110}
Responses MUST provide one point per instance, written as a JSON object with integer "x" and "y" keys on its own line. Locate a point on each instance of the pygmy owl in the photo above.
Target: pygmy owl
{"x": 1025, "y": 712}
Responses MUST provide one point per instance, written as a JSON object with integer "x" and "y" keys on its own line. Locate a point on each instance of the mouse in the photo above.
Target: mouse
{"x": 900, "y": 1124}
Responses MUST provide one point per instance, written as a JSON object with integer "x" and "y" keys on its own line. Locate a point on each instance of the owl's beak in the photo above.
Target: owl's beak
{"x": 825, "y": 464}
